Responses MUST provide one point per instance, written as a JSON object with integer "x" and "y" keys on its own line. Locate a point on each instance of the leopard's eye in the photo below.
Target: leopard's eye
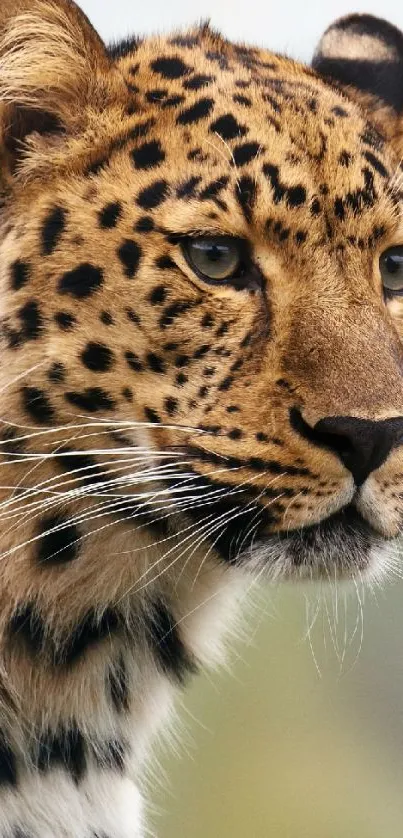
{"x": 214, "y": 258}
{"x": 391, "y": 267}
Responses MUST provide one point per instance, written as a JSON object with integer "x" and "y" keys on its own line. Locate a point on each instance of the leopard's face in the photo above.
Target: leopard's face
{"x": 206, "y": 270}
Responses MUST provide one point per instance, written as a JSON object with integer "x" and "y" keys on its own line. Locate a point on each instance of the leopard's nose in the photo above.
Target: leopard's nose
{"x": 361, "y": 444}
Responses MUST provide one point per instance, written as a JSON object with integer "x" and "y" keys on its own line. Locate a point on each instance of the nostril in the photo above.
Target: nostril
{"x": 361, "y": 444}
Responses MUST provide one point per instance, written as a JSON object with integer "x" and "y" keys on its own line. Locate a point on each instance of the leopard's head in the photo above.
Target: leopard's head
{"x": 202, "y": 245}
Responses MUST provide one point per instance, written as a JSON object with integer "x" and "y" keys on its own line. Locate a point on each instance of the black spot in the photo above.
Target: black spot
{"x": 181, "y": 379}
{"x": 82, "y": 281}
{"x": 64, "y": 748}
{"x": 235, "y": 434}
{"x": 106, "y": 318}
{"x": 246, "y": 152}
{"x": 200, "y": 110}
{"x": 59, "y": 540}
{"x": 92, "y": 629}
{"x": 158, "y": 295}
{"x": 207, "y": 321}
{"x": 91, "y": 400}
{"x": 133, "y": 316}
{"x": 118, "y": 684}
{"x": 155, "y": 363}
{"x": 145, "y": 224}
{"x": 36, "y": 404}
{"x": 295, "y": 196}
{"x": 226, "y": 384}
{"x": 228, "y": 128}
{"x": 188, "y": 188}
{"x": 65, "y": 320}
{"x": 148, "y": 156}
{"x": 19, "y": 274}
{"x": 152, "y": 196}
{"x": 173, "y": 311}
{"x": 152, "y": 416}
{"x": 197, "y": 82}
{"x": 129, "y": 254}
{"x": 300, "y": 237}
{"x": 172, "y": 102}
{"x": 133, "y": 361}
{"x": 11, "y": 445}
{"x": 316, "y": 206}
{"x": 127, "y": 394}
{"x": 182, "y": 361}
{"x": 57, "y": 372}
{"x": 165, "y": 263}
{"x": 184, "y": 41}
{"x": 166, "y": 643}
{"x": 203, "y": 350}
{"x": 170, "y": 67}
{"x": 156, "y": 95}
{"x": 31, "y": 320}
{"x": 171, "y": 406}
{"x": 109, "y": 215}
{"x": 97, "y": 357}
{"x": 214, "y": 188}
{"x": 245, "y": 192}
{"x": 242, "y": 100}
{"x": 52, "y": 229}
{"x": 8, "y": 764}
{"x": 376, "y": 163}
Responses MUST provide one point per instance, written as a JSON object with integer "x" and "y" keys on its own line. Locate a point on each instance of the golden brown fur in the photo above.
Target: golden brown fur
{"x": 136, "y": 362}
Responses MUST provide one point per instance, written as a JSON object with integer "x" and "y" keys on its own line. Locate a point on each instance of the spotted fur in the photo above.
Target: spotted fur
{"x": 163, "y": 436}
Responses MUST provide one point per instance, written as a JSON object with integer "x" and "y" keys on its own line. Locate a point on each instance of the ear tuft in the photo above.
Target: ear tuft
{"x": 366, "y": 53}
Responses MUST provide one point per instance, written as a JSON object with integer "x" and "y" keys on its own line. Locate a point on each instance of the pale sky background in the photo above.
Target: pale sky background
{"x": 291, "y": 26}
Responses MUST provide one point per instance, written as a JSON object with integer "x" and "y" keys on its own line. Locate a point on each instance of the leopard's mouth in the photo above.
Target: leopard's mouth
{"x": 342, "y": 546}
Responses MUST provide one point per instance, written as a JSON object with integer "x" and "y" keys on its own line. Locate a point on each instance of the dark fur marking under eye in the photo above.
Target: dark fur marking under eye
{"x": 52, "y": 229}
{"x": 64, "y": 748}
{"x": 149, "y": 155}
{"x": 152, "y": 196}
{"x": 200, "y": 110}
{"x": 19, "y": 274}
{"x": 60, "y": 546}
{"x": 109, "y": 215}
{"x": 97, "y": 357}
{"x": 36, "y": 404}
{"x": 170, "y": 67}
{"x": 228, "y": 127}
{"x": 166, "y": 643}
{"x": 175, "y": 310}
{"x": 129, "y": 254}
{"x": 92, "y": 400}
{"x": 82, "y": 281}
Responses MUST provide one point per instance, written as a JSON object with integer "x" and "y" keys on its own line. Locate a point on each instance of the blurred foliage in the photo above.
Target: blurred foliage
{"x": 303, "y": 738}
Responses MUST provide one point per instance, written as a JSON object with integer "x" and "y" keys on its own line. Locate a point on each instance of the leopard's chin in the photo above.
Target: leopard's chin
{"x": 341, "y": 547}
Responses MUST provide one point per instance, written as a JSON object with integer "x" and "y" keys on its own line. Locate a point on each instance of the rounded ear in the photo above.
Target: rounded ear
{"x": 366, "y": 54}
{"x": 54, "y": 68}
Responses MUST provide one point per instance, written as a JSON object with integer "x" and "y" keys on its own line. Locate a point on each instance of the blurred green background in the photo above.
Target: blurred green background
{"x": 303, "y": 737}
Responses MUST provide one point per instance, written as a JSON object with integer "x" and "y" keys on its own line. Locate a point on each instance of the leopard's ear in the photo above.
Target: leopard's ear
{"x": 364, "y": 54}
{"x": 54, "y": 71}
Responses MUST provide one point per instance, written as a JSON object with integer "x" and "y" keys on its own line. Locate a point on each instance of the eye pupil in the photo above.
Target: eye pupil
{"x": 214, "y": 258}
{"x": 393, "y": 265}
{"x": 391, "y": 268}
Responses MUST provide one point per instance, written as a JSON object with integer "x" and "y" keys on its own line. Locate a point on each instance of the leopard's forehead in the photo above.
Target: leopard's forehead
{"x": 232, "y": 127}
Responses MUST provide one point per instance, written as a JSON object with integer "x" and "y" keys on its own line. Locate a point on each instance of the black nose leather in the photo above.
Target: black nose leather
{"x": 362, "y": 445}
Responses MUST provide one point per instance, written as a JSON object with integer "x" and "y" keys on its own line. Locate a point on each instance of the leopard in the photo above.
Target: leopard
{"x": 201, "y": 285}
